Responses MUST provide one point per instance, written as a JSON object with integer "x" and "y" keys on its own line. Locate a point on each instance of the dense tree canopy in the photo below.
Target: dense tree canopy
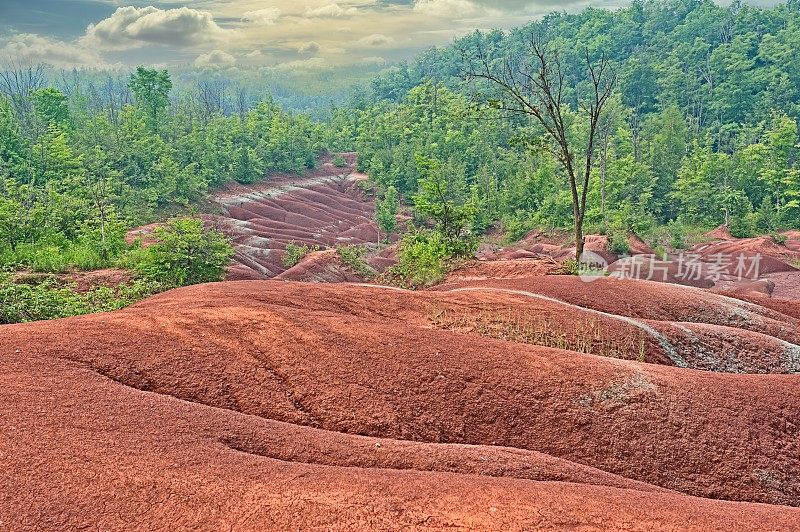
{"x": 702, "y": 127}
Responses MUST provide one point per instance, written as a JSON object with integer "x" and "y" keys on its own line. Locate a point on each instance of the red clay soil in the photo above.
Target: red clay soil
{"x": 502, "y": 269}
{"x": 634, "y": 320}
{"x": 720, "y": 233}
{"x": 144, "y": 234}
{"x": 92, "y": 453}
{"x": 723, "y": 263}
{"x": 371, "y": 361}
{"x": 321, "y": 267}
{"x": 559, "y": 246}
{"x": 638, "y": 246}
{"x": 323, "y": 208}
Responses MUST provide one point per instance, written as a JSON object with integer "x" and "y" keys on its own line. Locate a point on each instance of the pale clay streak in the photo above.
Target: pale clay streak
{"x": 662, "y": 341}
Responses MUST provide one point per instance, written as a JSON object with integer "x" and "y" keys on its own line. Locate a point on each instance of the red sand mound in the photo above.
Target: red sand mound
{"x": 653, "y": 301}
{"x": 321, "y": 267}
{"x": 502, "y": 269}
{"x": 145, "y": 235}
{"x": 720, "y": 233}
{"x": 638, "y": 246}
{"x": 613, "y": 320}
{"x": 369, "y": 361}
{"x": 94, "y": 454}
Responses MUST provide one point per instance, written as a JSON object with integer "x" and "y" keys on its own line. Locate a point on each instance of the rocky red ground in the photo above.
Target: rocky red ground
{"x": 324, "y": 208}
{"x": 258, "y": 405}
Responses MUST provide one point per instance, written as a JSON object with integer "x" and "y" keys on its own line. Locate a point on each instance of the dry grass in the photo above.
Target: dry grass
{"x": 587, "y": 336}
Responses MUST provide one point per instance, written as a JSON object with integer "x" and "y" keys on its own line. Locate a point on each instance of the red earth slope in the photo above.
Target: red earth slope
{"x": 238, "y": 404}
{"x": 324, "y": 208}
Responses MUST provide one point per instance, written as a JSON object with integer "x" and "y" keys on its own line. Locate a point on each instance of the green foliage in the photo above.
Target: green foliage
{"x": 51, "y": 108}
{"x": 151, "y": 88}
{"x": 186, "y": 253}
{"x": 443, "y": 197}
{"x": 618, "y": 242}
{"x": 703, "y": 128}
{"x": 339, "y": 162}
{"x": 423, "y": 258}
{"x": 76, "y": 173}
{"x": 294, "y": 253}
{"x": 354, "y": 258}
{"x": 49, "y": 299}
{"x": 386, "y": 212}
{"x": 677, "y": 235}
{"x": 245, "y": 171}
{"x": 779, "y": 238}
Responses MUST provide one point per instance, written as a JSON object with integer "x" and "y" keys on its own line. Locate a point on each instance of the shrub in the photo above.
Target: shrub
{"x": 49, "y": 299}
{"x": 618, "y": 242}
{"x": 517, "y": 226}
{"x": 423, "y": 258}
{"x": 353, "y": 257}
{"x": 569, "y": 267}
{"x": 339, "y": 161}
{"x": 294, "y": 253}
{"x": 386, "y": 212}
{"x": 677, "y": 234}
{"x": 185, "y": 253}
{"x": 779, "y": 238}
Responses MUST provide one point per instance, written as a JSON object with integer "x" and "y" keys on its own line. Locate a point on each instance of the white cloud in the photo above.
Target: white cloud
{"x": 264, "y": 17}
{"x": 331, "y": 11}
{"x": 254, "y": 54}
{"x": 375, "y": 40}
{"x": 373, "y": 60}
{"x": 130, "y": 27}
{"x": 215, "y": 59}
{"x": 451, "y": 8}
{"x": 310, "y": 64}
{"x": 34, "y": 48}
{"x": 311, "y": 47}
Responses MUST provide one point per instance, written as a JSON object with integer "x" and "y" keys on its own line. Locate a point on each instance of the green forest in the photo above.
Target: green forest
{"x": 699, "y": 127}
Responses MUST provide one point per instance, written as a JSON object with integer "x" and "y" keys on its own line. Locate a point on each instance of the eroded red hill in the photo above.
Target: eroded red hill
{"x": 213, "y": 403}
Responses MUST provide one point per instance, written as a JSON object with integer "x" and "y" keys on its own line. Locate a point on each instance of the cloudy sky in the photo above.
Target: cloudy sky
{"x": 249, "y": 33}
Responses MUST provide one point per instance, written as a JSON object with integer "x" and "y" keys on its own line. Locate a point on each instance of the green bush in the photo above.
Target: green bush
{"x": 295, "y": 253}
{"x": 423, "y": 258}
{"x": 48, "y": 299}
{"x": 517, "y": 226}
{"x": 779, "y": 238}
{"x": 339, "y": 161}
{"x": 677, "y": 234}
{"x": 618, "y": 242}
{"x": 353, "y": 257}
{"x": 185, "y": 253}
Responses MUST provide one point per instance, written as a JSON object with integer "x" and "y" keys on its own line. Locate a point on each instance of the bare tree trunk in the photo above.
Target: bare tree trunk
{"x": 532, "y": 83}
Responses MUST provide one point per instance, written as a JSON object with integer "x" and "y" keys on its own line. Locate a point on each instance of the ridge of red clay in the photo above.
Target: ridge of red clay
{"x": 88, "y": 454}
{"x": 366, "y": 360}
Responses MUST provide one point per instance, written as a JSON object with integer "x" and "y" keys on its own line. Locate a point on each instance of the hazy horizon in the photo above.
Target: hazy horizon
{"x": 297, "y": 35}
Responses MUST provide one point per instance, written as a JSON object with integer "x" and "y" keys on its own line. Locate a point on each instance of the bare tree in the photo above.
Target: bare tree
{"x": 532, "y": 83}
{"x": 18, "y": 82}
{"x": 242, "y": 101}
{"x": 211, "y": 97}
